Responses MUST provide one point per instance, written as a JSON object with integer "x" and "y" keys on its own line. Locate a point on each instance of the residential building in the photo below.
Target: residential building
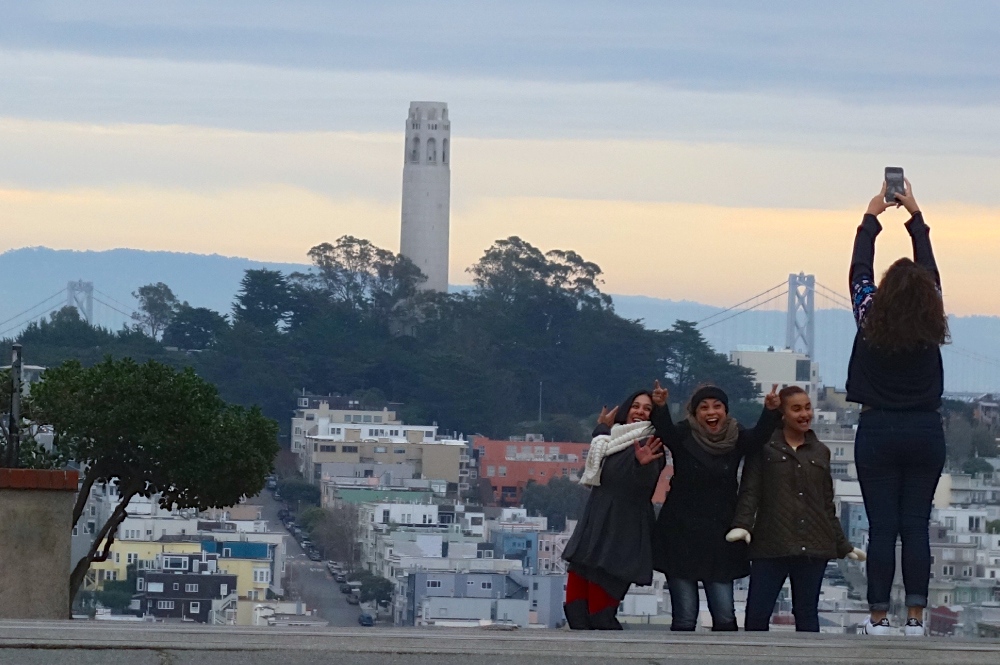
{"x": 466, "y": 598}
{"x": 187, "y": 587}
{"x": 506, "y": 467}
{"x": 431, "y": 459}
{"x": 334, "y": 409}
{"x": 840, "y": 440}
{"x": 783, "y": 367}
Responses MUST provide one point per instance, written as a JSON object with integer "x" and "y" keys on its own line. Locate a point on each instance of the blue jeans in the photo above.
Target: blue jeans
{"x": 900, "y": 456}
{"x": 684, "y": 604}
{"x": 767, "y": 576}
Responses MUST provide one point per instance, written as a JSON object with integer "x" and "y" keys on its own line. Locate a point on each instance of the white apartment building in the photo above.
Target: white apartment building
{"x": 783, "y": 367}
{"x": 334, "y": 409}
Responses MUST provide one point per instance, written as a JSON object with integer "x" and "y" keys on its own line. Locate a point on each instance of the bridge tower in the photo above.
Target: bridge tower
{"x": 81, "y": 296}
{"x": 427, "y": 192}
{"x": 800, "y": 331}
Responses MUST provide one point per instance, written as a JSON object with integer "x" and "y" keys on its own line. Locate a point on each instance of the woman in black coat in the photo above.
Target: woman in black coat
{"x": 611, "y": 548}
{"x": 689, "y": 538}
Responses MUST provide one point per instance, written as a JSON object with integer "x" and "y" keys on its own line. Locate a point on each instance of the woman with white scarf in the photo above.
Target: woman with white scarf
{"x": 611, "y": 548}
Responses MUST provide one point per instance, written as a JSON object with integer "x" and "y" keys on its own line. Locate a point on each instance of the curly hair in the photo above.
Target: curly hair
{"x": 906, "y": 313}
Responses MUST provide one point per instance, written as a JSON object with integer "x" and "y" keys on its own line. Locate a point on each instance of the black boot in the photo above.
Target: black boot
{"x": 605, "y": 619}
{"x": 725, "y": 627}
{"x": 576, "y": 615}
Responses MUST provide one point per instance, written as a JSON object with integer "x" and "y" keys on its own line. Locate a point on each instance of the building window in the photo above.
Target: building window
{"x": 487, "y": 585}
{"x": 195, "y": 608}
{"x": 131, "y": 558}
{"x": 261, "y": 575}
{"x": 191, "y": 588}
{"x": 164, "y": 604}
{"x": 328, "y": 449}
{"x": 366, "y": 419}
{"x": 399, "y": 451}
{"x": 227, "y": 552}
{"x": 175, "y": 563}
{"x": 502, "y": 471}
{"x": 948, "y": 570}
{"x": 140, "y": 584}
{"x": 154, "y": 587}
{"x": 381, "y": 449}
{"x": 350, "y": 449}
{"x": 433, "y": 584}
{"x": 491, "y": 471}
{"x": 177, "y": 586}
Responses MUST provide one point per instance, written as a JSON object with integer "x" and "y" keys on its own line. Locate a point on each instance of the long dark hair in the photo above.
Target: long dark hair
{"x": 622, "y": 415}
{"x": 906, "y": 313}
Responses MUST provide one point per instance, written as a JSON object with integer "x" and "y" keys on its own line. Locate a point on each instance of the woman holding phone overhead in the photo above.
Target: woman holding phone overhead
{"x": 896, "y": 374}
{"x": 611, "y": 549}
{"x": 689, "y": 539}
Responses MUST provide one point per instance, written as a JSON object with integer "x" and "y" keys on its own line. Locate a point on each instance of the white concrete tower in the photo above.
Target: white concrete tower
{"x": 427, "y": 192}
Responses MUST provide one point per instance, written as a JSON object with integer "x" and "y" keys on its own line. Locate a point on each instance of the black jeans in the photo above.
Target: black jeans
{"x": 900, "y": 456}
{"x": 767, "y": 576}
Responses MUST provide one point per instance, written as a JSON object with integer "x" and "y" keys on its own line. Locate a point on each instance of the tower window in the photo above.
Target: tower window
{"x": 444, "y": 151}
{"x": 415, "y": 150}
{"x": 431, "y": 150}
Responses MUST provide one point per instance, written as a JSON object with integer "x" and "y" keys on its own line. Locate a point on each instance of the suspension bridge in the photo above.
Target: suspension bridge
{"x": 797, "y": 313}
{"x": 93, "y": 305}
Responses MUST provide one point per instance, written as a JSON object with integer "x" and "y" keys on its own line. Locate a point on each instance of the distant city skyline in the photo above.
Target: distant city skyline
{"x": 697, "y": 153}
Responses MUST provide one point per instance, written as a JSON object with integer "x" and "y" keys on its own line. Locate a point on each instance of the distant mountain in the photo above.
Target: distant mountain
{"x": 33, "y": 275}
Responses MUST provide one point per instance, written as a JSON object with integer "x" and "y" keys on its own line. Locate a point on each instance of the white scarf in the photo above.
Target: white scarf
{"x": 604, "y": 445}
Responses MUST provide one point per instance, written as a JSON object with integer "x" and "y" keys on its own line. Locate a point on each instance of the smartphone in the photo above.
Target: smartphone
{"x": 894, "y": 183}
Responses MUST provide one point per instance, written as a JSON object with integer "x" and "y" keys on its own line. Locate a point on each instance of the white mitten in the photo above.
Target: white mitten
{"x": 737, "y": 535}
{"x": 856, "y": 555}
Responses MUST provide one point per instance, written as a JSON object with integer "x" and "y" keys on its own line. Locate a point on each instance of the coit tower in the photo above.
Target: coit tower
{"x": 427, "y": 192}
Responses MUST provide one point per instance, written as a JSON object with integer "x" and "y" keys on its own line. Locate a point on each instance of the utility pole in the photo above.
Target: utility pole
{"x": 14, "y": 430}
{"x": 539, "y": 401}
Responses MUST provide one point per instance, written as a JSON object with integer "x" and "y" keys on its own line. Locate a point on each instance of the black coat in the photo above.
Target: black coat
{"x": 614, "y": 535}
{"x": 689, "y": 538}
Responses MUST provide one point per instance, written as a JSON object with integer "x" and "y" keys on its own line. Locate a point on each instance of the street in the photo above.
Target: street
{"x": 308, "y": 580}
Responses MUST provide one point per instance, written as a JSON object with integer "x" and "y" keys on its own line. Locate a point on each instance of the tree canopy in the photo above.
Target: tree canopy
{"x": 151, "y": 430}
{"x": 357, "y": 324}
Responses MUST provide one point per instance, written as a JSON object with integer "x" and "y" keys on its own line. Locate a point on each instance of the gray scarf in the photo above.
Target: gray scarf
{"x": 720, "y": 443}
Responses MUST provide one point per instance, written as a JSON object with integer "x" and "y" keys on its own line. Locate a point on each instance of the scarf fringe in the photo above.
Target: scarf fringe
{"x": 604, "y": 445}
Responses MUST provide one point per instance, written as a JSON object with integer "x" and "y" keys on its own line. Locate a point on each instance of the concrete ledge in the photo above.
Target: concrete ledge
{"x": 39, "y": 479}
{"x": 75, "y": 642}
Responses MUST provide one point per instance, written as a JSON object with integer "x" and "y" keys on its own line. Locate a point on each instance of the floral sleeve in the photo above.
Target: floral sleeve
{"x": 862, "y": 292}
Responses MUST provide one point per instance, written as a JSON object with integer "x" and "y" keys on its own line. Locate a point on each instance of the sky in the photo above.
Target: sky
{"x": 695, "y": 151}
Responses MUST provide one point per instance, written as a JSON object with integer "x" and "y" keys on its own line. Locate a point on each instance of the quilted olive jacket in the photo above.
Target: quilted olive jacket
{"x": 786, "y": 502}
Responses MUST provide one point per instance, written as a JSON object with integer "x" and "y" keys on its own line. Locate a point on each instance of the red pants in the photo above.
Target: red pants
{"x": 578, "y": 588}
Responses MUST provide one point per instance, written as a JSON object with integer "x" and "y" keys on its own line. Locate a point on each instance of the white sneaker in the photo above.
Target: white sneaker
{"x": 880, "y": 628}
{"x": 913, "y": 628}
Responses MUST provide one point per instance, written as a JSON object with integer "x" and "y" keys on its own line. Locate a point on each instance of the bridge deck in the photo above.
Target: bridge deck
{"x": 109, "y": 643}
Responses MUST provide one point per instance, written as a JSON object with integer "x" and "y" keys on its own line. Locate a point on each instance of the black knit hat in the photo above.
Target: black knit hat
{"x": 708, "y": 392}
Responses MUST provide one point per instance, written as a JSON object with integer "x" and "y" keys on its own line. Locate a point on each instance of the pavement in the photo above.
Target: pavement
{"x": 111, "y": 643}
{"x": 308, "y": 580}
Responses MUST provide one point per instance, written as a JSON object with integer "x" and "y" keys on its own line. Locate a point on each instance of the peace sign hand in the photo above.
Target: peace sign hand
{"x": 607, "y": 417}
{"x": 649, "y": 452}
{"x": 771, "y": 400}
{"x": 660, "y": 394}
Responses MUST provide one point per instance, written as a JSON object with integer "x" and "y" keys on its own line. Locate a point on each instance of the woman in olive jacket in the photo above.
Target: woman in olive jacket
{"x": 689, "y": 539}
{"x": 786, "y": 514}
{"x": 610, "y": 549}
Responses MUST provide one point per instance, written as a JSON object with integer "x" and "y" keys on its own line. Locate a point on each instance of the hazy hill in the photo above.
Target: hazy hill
{"x": 34, "y": 274}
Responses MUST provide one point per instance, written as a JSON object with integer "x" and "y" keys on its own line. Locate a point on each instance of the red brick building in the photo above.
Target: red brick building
{"x": 507, "y": 466}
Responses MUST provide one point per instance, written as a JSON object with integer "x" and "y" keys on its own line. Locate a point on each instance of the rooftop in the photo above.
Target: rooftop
{"x": 113, "y": 643}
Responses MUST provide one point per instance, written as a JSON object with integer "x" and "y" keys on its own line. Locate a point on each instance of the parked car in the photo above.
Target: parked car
{"x": 366, "y": 619}
{"x": 340, "y": 577}
{"x": 314, "y": 556}
{"x": 345, "y": 588}
{"x": 352, "y": 599}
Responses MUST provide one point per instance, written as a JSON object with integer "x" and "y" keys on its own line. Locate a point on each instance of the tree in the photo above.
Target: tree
{"x": 362, "y": 276}
{"x": 295, "y": 490}
{"x": 993, "y": 526}
{"x": 152, "y": 431}
{"x": 264, "y": 300}
{"x": 559, "y": 500}
{"x": 194, "y": 328}
{"x": 958, "y": 436}
{"x": 337, "y": 533}
{"x": 689, "y": 361}
{"x": 157, "y": 306}
{"x": 375, "y": 588}
{"x": 977, "y": 465}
